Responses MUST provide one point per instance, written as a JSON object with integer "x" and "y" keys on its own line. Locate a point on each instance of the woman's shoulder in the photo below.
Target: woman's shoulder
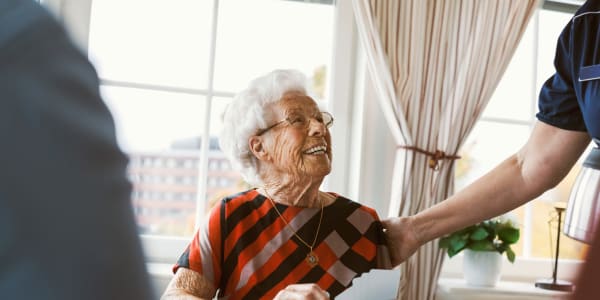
{"x": 242, "y": 196}
{"x": 342, "y": 201}
{"x": 239, "y": 198}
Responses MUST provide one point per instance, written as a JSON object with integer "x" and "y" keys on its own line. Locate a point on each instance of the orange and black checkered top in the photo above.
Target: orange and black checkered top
{"x": 246, "y": 250}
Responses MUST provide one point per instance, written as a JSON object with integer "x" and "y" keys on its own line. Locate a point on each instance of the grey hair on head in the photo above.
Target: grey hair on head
{"x": 244, "y": 116}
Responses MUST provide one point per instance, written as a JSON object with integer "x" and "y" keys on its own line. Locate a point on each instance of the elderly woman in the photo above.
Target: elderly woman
{"x": 284, "y": 239}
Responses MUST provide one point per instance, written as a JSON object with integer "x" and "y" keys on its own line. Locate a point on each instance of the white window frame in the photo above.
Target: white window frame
{"x": 361, "y": 157}
{"x": 76, "y": 14}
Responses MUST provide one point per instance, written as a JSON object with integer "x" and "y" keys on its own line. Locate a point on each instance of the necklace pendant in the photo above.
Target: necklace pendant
{"x": 312, "y": 259}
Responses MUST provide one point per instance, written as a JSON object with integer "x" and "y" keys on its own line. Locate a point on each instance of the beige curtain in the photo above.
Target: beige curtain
{"x": 435, "y": 64}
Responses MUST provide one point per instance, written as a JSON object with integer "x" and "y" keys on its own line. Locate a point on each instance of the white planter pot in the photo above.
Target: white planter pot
{"x": 482, "y": 268}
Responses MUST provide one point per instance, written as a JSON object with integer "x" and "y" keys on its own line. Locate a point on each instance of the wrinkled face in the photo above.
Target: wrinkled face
{"x": 298, "y": 150}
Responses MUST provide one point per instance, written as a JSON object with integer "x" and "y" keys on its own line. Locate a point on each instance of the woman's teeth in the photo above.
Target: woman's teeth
{"x": 316, "y": 150}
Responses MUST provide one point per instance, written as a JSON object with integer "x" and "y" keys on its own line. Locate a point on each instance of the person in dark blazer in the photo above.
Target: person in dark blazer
{"x": 66, "y": 224}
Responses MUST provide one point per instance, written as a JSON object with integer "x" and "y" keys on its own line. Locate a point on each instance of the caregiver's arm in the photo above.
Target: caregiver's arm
{"x": 541, "y": 164}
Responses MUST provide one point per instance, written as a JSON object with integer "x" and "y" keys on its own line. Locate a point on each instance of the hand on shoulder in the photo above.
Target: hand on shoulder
{"x": 401, "y": 237}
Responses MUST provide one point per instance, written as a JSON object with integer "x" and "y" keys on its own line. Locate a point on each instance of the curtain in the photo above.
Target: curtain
{"x": 434, "y": 64}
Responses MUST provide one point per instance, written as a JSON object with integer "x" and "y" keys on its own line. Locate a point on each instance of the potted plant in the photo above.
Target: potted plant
{"x": 484, "y": 244}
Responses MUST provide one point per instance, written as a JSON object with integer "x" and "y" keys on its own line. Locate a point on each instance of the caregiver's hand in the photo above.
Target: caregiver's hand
{"x": 402, "y": 238}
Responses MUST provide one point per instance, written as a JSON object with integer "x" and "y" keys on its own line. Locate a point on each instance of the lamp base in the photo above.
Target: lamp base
{"x": 555, "y": 285}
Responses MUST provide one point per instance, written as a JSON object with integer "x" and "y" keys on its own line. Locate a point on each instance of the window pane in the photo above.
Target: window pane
{"x": 258, "y": 36}
{"x": 488, "y": 145}
{"x": 155, "y": 42}
{"x": 150, "y": 120}
{"x": 222, "y": 180}
{"x": 545, "y": 227}
{"x": 551, "y": 25}
{"x": 512, "y": 97}
{"x": 546, "y": 222}
{"x": 159, "y": 131}
{"x": 544, "y": 214}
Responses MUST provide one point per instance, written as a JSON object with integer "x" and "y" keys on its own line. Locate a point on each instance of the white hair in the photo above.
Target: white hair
{"x": 244, "y": 116}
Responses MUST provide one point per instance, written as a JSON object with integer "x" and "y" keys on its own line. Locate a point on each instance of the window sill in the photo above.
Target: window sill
{"x": 452, "y": 288}
{"x": 160, "y": 270}
{"x": 522, "y": 270}
{"x": 160, "y": 274}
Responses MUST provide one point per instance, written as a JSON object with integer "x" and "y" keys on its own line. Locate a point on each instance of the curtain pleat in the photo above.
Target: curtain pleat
{"x": 434, "y": 65}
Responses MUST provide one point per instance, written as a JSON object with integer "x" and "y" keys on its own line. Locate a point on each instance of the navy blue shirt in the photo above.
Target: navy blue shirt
{"x": 67, "y": 230}
{"x": 570, "y": 99}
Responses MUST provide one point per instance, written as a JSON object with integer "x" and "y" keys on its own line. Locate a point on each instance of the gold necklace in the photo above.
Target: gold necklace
{"x": 312, "y": 259}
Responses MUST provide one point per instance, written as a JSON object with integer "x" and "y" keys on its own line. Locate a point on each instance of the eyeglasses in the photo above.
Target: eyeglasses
{"x": 300, "y": 121}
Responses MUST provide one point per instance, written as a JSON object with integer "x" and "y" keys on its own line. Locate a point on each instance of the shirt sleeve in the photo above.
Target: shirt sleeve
{"x": 383, "y": 258}
{"x": 557, "y": 102}
{"x": 203, "y": 254}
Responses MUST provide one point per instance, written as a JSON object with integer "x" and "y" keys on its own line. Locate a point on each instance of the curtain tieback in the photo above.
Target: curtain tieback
{"x": 434, "y": 157}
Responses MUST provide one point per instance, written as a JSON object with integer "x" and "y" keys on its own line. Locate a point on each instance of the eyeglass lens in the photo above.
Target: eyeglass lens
{"x": 302, "y": 121}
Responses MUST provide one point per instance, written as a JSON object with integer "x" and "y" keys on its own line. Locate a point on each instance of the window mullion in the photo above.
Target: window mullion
{"x": 202, "y": 178}
{"x": 528, "y": 217}
{"x": 164, "y": 88}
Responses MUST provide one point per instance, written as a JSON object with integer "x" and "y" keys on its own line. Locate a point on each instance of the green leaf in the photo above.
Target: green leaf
{"x": 501, "y": 247}
{"x": 490, "y": 224}
{"x": 508, "y": 234}
{"x": 452, "y": 252}
{"x": 457, "y": 243}
{"x": 483, "y": 245}
{"x": 479, "y": 234}
{"x": 445, "y": 242}
{"x": 468, "y": 229}
{"x": 510, "y": 254}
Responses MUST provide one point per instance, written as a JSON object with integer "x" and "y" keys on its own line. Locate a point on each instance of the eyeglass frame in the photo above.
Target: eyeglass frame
{"x": 287, "y": 119}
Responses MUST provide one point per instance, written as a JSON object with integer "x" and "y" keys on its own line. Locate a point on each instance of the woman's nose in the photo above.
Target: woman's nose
{"x": 316, "y": 128}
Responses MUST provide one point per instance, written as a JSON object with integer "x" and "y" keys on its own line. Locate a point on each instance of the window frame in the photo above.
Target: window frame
{"x": 76, "y": 15}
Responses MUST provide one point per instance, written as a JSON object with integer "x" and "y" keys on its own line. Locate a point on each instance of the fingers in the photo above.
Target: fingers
{"x": 401, "y": 238}
{"x": 306, "y": 291}
{"x": 388, "y": 226}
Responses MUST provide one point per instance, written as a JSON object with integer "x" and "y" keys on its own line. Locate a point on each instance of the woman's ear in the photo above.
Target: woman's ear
{"x": 255, "y": 143}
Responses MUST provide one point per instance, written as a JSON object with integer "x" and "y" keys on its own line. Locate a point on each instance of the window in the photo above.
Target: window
{"x": 505, "y": 126}
{"x": 168, "y": 73}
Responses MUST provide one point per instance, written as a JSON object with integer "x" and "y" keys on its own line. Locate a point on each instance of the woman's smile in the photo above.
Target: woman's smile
{"x": 316, "y": 150}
